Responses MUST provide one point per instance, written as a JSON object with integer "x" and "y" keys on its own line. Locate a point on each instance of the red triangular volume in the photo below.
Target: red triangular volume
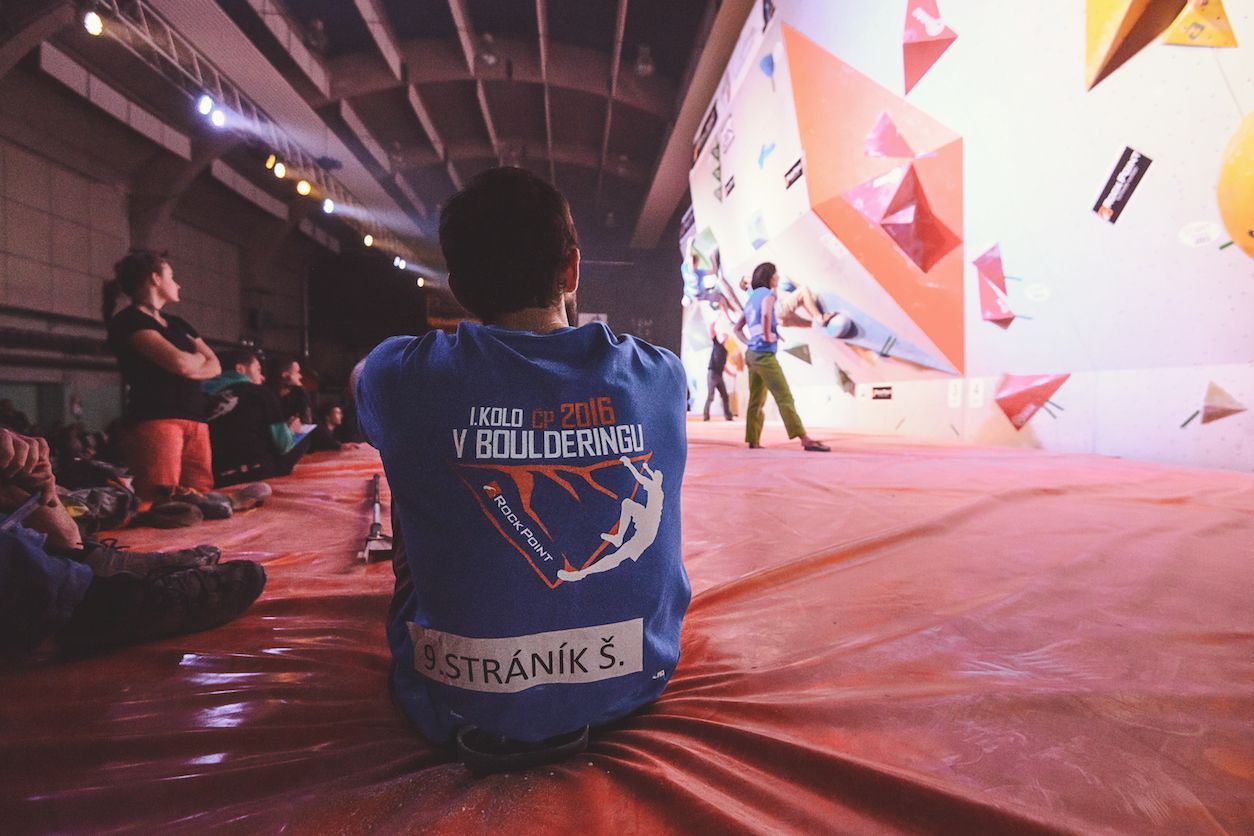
{"x": 885, "y": 140}
{"x": 925, "y": 39}
{"x": 1219, "y": 404}
{"x": 1022, "y": 396}
{"x": 896, "y": 202}
{"x": 994, "y": 302}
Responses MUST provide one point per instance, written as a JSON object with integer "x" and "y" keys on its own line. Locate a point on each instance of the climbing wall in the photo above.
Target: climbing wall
{"x": 1035, "y": 229}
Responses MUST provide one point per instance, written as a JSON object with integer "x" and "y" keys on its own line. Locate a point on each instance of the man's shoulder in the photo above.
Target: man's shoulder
{"x": 389, "y": 357}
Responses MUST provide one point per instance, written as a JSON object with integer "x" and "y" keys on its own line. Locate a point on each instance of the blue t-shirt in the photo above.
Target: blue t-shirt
{"x": 549, "y": 586}
{"x": 753, "y": 322}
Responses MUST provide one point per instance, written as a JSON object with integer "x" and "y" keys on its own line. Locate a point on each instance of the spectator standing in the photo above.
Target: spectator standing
{"x": 163, "y": 361}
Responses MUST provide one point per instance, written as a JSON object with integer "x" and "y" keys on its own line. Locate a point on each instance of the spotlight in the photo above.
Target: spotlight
{"x": 398, "y": 263}
{"x": 218, "y": 118}
{"x": 644, "y": 61}
{"x": 93, "y": 23}
{"x": 280, "y": 170}
{"x": 368, "y": 240}
{"x": 205, "y": 105}
{"x": 303, "y": 188}
{"x": 421, "y": 281}
{"x": 401, "y": 264}
{"x": 270, "y": 161}
{"x": 488, "y": 54}
{"x": 328, "y": 206}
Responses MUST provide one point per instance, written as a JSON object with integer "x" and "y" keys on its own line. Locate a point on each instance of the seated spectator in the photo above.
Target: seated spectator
{"x": 285, "y": 376}
{"x": 92, "y": 596}
{"x": 74, "y": 443}
{"x": 525, "y": 611}
{"x": 325, "y": 436}
{"x": 163, "y": 361}
{"x": 251, "y": 437}
{"x": 13, "y": 418}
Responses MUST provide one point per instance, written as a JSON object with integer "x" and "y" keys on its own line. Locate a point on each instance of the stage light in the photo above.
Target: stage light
{"x": 280, "y": 170}
{"x": 218, "y": 118}
{"x": 421, "y": 281}
{"x": 401, "y": 264}
{"x": 303, "y": 188}
{"x": 368, "y": 240}
{"x": 94, "y": 24}
{"x": 204, "y": 105}
{"x": 270, "y": 161}
{"x": 328, "y": 206}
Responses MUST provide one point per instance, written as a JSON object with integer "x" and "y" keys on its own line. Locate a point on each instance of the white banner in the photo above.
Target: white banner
{"x": 509, "y": 665}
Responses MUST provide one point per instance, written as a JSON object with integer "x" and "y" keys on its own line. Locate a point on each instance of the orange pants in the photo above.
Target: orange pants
{"x": 170, "y": 452}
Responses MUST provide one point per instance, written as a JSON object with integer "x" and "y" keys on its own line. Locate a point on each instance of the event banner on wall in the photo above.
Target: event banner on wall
{"x": 1122, "y": 183}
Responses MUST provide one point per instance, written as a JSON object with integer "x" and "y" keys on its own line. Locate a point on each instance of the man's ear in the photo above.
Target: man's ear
{"x": 570, "y": 272}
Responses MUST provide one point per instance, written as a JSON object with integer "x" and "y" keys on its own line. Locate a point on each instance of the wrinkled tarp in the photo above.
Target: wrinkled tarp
{"x": 894, "y": 636}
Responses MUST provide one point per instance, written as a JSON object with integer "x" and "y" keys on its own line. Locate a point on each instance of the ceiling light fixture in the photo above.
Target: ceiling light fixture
{"x": 368, "y": 240}
{"x": 218, "y": 118}
{"x": 303, "y": 188}
{"x": 328, "y": 206}
{"x": 270, "y": 162}
{"x": 205, "y": 105}
{"x": 280, "y": 170}
{"x": 93, "y": 23}
{"x": 488, "y": 54}
{"x": 644, "y": 61}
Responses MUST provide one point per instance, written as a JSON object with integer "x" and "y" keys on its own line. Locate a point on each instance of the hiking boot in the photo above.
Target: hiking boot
{"x": 170, "y": 515}
{"x": 249, "y": 496}
{"x": 124, "y": 609}
{"x": 107, "y": 558}
{"x": 214, "y": 506}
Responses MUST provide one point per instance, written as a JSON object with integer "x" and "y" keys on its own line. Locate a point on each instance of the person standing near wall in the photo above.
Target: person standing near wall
{"x": 765, "y": 373}
{"x": 714, "y": 383}
{"x": 163, "y": 360}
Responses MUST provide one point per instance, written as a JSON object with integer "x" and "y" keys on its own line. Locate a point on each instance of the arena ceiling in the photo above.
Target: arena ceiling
{"x": 427, "y": 93}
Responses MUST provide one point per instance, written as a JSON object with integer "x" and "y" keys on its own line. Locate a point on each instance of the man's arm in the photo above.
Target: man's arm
{"x": 25, "y": 462}
{"x": 640, "y": 477}
{"x": 739, "y": 329}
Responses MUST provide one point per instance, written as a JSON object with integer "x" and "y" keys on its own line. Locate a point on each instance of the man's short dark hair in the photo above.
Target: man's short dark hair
{"x": 233, "y": 357}
{"x": 762, "y": 275}
{"x": 506, "y": 237}
{"x": 277, "y": 364}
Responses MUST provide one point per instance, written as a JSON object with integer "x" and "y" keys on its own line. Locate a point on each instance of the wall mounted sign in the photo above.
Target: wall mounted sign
{"x": 1123, "y": 181}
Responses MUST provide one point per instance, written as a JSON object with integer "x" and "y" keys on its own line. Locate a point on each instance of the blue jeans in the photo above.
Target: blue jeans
{"x": 38, "y": 592}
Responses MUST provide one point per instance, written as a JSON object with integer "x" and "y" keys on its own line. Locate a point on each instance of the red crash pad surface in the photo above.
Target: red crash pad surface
{"x": 890, "y": 637}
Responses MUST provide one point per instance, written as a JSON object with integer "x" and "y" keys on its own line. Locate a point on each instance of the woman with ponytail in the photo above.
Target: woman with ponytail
{"x": 163, "y": 361}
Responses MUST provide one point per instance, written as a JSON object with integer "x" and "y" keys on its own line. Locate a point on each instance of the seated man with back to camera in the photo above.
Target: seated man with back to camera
{"x": 535, "y": 471}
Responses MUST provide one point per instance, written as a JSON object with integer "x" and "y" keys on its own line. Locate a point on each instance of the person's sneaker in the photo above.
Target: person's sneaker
{"x": 107, "y": 558}
{"x": 170, "y": 515}
{"x": 249, "y": 496}
{"x": 485, "y": 754}
{"x": 123, "y": 610}
{"x": 214, "y": 506}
